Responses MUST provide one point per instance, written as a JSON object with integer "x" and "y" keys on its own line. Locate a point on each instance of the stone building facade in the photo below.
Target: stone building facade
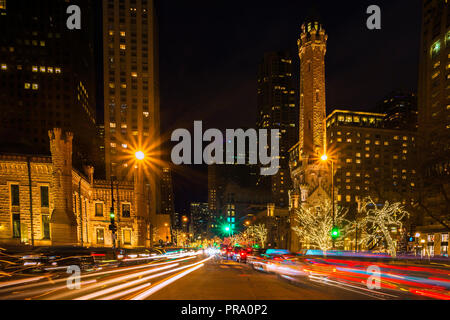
{"x": 68, "y": 207}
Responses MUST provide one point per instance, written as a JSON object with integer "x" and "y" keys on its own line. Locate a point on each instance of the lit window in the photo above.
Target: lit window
{"x": 50, "y": 69}
{"x": 123, "y": 86}
{"x": 34, "y": 69}
{"x": 35, "y": 86}
{"x": 435, "y": 48}
{"x": 57, "y": 70}
{"x": 19, "y": 67}
{"x": 122, "y": 33}
{"x": 42, "y": 69}
{"x": 124, "y": 145}
{"x": 113, "y": 145}
{"x": 134, "y": 74}
{"x": 111, "y": 32}
{"x": 27, "y": 85}
{"x": 4, "y": 66}
{"x": 111, "y": 85}
{"x": 123, "y": 47}
{"x": 112, "y": 125}
{"x": 42, "y": 43}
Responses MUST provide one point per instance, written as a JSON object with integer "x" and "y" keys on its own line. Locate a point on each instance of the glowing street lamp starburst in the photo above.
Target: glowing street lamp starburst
{"x": 140, "y": 155}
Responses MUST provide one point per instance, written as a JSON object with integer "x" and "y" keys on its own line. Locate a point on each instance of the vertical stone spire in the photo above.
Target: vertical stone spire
{"x": 312, "y": 47}
{"x": 62, "y": 221}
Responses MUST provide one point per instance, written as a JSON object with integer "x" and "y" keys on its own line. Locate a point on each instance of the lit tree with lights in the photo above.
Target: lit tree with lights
{"x": 377, "y": 221}
{"x": 259, "y": 233}
{"x": 315, "y": 223}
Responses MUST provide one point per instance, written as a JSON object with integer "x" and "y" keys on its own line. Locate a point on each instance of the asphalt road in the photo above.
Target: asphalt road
{"x": 229, "y": 280}
{"x": 185, "y": 277}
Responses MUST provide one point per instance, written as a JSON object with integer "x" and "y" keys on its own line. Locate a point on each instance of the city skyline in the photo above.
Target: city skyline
{"x": 389, "y": 56}
{"x": 173, "y": 150}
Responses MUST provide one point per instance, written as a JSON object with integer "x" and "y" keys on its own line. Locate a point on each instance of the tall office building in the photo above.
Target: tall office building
{"x": 131, "y": 91}
{"x": 47, "y": 76}
{"x": 277, "y": 109}
{"x": 371, "y": 159}
{"x": 434, "y": 119}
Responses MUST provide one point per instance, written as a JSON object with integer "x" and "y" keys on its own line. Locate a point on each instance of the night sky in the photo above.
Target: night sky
{"x": 209, "y": 53}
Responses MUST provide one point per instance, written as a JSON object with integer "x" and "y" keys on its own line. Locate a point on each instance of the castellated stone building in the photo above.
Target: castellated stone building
{"x": 44, "y": 201}
{"x": 311, "y": 178}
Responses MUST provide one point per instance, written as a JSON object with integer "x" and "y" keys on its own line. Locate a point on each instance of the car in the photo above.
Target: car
{"x": 58, "y": 258}
{"x": 240, "y": 255}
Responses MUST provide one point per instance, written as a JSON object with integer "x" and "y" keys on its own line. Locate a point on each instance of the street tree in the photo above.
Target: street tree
{"x": 315, "y": 223}
{"x": 376, "y": 223}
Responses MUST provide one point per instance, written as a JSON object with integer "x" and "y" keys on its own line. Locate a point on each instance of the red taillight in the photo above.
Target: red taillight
{"x": 242, "y": 253}
{"x": 97, "y": 254}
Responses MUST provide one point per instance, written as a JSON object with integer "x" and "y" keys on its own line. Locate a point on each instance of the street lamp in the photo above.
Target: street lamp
{"x": 335, "y": 232}
{"x": 139, "y": 155}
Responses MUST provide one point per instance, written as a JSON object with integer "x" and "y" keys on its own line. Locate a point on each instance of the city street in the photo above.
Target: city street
{"x": 187, "y": 276}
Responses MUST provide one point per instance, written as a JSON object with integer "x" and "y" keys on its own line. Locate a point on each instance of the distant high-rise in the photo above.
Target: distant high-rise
{"x": 400, "y": 109}
{"x": 277, "y": 109}
{"x": 167, "y": 197}
{"x": 200, "y": 219}
{"x": 47, "y": 76}
{"x": 131, "y": 90}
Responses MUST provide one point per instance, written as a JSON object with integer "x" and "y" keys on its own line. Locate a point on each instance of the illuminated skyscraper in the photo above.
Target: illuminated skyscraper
{"x": 434, "y": 123}
{"x": 131, "y": 91}
{"x": 47, "y": 78}
{"x": 277, "y": 109}
{"x": 131, "y": 88}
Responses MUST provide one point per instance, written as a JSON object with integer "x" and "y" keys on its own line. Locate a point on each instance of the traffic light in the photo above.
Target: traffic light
{"x": 411, "y": 239}
{"x": 335, "y": 233}
{"x": 112, "y": 216}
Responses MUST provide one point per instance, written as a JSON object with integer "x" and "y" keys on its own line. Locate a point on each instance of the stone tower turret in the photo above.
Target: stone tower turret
{"x": 312, "y": 47}
{"x": 62, "y": 220}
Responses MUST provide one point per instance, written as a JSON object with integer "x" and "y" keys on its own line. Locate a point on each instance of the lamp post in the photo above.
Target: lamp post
{"x": 334, "y": 231}
{"x": 140, "y": 156}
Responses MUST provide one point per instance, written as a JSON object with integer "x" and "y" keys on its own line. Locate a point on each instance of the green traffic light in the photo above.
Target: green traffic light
{"x": 112, "y": 215}
{"x": 227, "y": 228}
{"x": 335, "y": 232}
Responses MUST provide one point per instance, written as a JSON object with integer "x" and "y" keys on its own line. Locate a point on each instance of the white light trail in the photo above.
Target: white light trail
{"x": 163, "y": 284}
{"x": 123, "y": 293}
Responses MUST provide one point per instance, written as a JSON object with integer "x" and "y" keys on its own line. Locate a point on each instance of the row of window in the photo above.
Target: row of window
{"x": 100, "y": 236}
{"x": 126, "y": 210}
{"x": 15, "y": 204}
